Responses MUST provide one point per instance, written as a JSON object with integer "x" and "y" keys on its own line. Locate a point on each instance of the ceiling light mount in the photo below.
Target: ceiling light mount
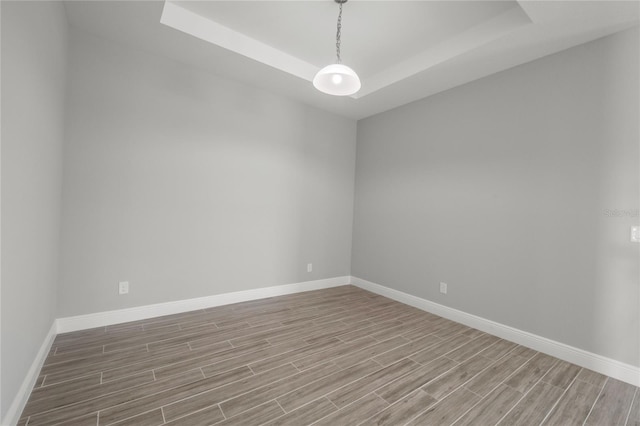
{"x": 337, "y": 79}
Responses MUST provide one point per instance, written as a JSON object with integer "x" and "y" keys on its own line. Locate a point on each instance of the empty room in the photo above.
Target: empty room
{"x": 322, "y": 212}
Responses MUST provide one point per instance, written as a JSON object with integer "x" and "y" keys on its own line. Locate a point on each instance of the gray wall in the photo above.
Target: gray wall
{"x": 188, "y": 185}
{"x": 34, "y": 48}
{"x": 501, "y": 187}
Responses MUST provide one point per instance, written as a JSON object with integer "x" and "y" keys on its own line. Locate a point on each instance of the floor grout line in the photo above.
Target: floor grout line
{"x": 524, "y": 395}
{"x": 219, "y": 403}
{"x": 332, "y": 403}
{"x": 456, "y": 389}
{"x": 282, "y": 408}
{"x": 135, "y": 415}
{"x": 212, "y": 354}
{"x": 482, "y": 398}
{"x": 595, "y": 401}
{"x": 343, "y": 408}
{"x": 293, "y": 390}
{"x": 192, "y": 412}
{"x": 465, "y": 413}
{"x": 633, "y": 400}
{"x": 564, "y": 392}
{"x": 190, "y": 334}
{"x": 54, "y": 384}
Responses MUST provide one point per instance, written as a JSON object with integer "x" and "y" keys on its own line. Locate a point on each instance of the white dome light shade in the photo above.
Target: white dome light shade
{"x": 337, "y": 80}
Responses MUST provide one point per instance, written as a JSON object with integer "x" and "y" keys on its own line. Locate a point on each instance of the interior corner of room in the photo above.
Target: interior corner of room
{"x": 124, "y": 170}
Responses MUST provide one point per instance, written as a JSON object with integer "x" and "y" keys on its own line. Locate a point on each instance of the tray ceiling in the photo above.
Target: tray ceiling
{"x": 402, "y": 50}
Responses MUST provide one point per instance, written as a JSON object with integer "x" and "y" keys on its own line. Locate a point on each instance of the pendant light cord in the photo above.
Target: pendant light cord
{"x": 338, "y": 35}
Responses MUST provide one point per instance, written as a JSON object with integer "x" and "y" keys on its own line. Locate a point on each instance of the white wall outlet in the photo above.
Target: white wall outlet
{"x": 443, "y": 288}
{"x": 123, "y": 287}
{"x": 635, "y": 234}
{"x": 309, "y": 267}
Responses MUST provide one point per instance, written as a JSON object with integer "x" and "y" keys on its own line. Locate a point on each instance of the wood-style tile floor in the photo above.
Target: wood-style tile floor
{"x": 340, "y": 356}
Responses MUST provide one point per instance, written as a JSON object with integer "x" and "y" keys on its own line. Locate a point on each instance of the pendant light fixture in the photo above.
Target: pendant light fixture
{"x": 337, "y": 79}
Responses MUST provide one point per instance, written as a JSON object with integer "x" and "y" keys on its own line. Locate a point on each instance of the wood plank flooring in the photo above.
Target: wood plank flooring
{"x": 340, "y": 356}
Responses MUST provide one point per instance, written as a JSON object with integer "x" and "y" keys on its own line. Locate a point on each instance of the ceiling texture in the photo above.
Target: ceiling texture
{"x": 402, "y": 50}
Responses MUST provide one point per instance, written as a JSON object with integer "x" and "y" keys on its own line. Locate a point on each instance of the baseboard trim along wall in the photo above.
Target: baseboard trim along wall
{"x": 601, "y": 364}
{"x": 607, "y": 366}
{"x": 15, "y": 409}
{"x": 101, "y": 319}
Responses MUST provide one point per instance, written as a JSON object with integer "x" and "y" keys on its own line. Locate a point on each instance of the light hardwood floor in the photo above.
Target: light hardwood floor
{"x": 340, "y": 356}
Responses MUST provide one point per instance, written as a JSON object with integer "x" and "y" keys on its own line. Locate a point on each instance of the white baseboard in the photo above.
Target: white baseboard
{"x": 17, "y": 406}
{"x": 101, "y": 319}
{"x": 607, "y": 366}
{"x": 599, "y": 363}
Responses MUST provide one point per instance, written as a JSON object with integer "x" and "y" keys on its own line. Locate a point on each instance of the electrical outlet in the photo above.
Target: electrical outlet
{"x": 635, "y": 234}
{"x": 443, "y": 288}
{"x": 309, "y": 267}
{"x": 123, "y": 287}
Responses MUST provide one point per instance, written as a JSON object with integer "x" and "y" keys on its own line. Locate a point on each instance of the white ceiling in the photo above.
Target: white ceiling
{"x": 375, "y": 34}
{"x": 402, "y": 50}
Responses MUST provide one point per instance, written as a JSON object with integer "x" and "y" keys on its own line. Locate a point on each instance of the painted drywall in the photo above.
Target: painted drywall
{"x": 34, "y": 52}
{"x": 188, "y": 185}
{"x": 517, "y": 190}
